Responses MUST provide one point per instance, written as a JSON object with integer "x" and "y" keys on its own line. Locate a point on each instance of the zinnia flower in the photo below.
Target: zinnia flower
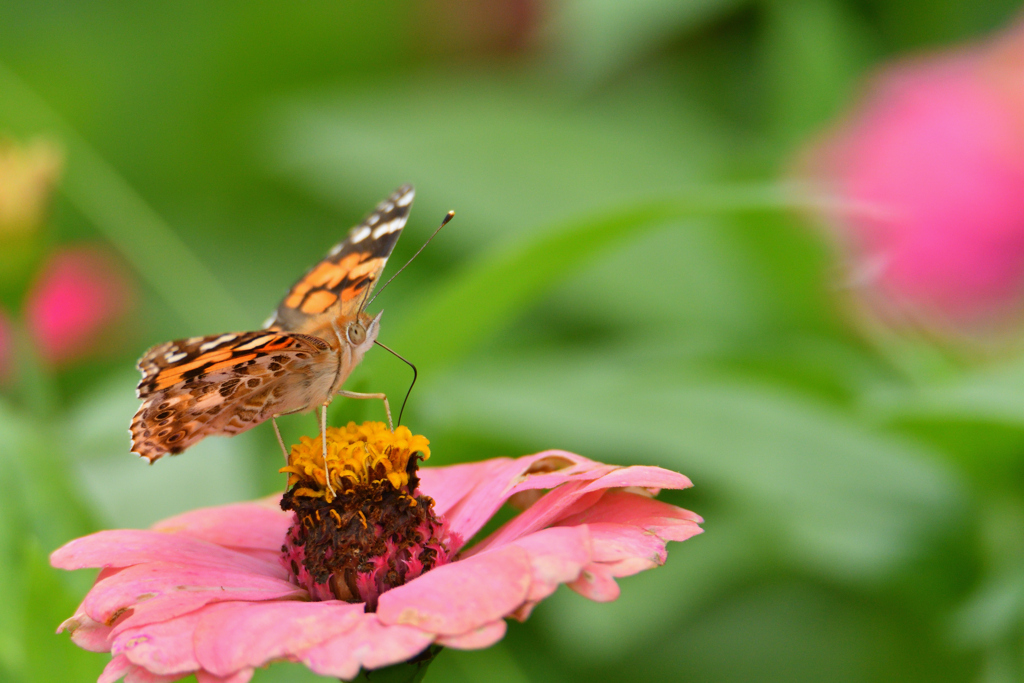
{"x": 929, "y": 169}
{"x": 371, "y": 570}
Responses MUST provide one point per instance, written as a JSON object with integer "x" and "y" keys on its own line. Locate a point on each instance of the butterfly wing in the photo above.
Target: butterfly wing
{"x": 225, "y": 384}
{"x": 337, "y": 288}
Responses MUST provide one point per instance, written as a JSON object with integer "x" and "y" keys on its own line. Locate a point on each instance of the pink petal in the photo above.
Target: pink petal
{"x": 138, "y": 674}
{"x": 125, "y": 547}
{"x": 547, "y": 470}
{"x": 242, "y": 676}
{"x": 458, "y": 597}
{"x": 448, "y": 485}
{"x": 261, "y": 554}
{"x": 162, "y": 648}
{"x": 370, "y": 645}
{"x": 237, "y": 635}
{"x": 87, "y": 633}
{"x": 596, "y": 583}
{"x": 478, "y": 638}
{"x": 617, "y": 542}
{"x": 244, "y": 525}
{"x": 621, "y": 507}
{"x": 556, "y": 504}
{"x": 115, "y": 669}
{"x": 628, "y": 566}
{"x": 180, "y": 589}
{"x": 484, "y": 487}
{"x": 642, "y": 475}
{"x": 557, "y": 556}
{"x": 524, "y": 611}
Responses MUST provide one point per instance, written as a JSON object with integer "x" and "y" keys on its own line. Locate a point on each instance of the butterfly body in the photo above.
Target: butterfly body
{"x": 225, "y": 384}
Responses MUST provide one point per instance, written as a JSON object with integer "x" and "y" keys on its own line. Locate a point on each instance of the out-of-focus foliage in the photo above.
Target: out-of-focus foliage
{"x": 626, "y": 277}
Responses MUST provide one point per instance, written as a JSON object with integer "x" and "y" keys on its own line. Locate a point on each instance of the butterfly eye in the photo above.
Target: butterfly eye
{"x": 356, "y": 333}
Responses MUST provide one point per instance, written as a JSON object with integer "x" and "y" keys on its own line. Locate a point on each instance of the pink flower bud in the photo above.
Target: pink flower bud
{"x": 929, "y": 176}
{"x": 78, "y": 296}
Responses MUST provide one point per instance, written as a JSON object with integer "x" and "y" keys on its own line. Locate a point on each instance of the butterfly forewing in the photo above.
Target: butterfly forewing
{"x": 223, "y": 384}
{"x": 337, "y": 288}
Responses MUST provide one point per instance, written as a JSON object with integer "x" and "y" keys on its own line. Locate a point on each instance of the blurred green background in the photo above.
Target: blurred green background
{"x": 625, "y": 278}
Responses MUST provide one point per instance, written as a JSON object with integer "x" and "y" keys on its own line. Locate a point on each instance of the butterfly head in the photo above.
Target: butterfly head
{"x": 358, "y": 335}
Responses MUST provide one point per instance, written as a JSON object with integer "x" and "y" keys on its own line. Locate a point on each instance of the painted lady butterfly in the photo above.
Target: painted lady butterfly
{"x": 224, "y": 384}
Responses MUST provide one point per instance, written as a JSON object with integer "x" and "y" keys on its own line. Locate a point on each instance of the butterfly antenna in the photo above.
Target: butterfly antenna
{"x": 451, "y": 215}
{"x": 415, "y": 374}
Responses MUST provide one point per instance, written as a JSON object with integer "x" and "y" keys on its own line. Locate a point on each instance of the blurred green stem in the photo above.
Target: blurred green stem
{"x": 131, "y": 225}
{"x": 34, "y": 385}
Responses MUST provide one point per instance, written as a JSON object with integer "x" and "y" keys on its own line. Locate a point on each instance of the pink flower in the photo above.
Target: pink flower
{"x": 207, "y": 592}
{"x": 930, "y": 172}
{"x": 76, "y": 298}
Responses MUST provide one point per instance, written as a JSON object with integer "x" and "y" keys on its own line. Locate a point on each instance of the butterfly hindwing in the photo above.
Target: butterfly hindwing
{"x": 222, "y": 384}
{"x": 338, "y": 287}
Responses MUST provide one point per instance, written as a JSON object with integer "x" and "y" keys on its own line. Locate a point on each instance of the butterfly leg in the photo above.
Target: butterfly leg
{"x": 323, "y": 438}
{"x": 277, "y": 431}
{"x": 383, "y": 397}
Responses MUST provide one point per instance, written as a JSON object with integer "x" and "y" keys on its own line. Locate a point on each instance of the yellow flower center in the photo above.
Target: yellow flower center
{"x": 369, "y": 453}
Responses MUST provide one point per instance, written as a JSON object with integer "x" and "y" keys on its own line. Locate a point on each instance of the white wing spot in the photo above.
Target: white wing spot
{"x": 387, "y": 228}
{"x": 270, "y": 321}
{"x": 372, "y": 220}
{"x": 385, "y": 207}
{"x": 359, "y": 234}
{"x": 258, "y": 341}
{"x": 406, "y": 199}
{"x": 336, "y": 249}
{"x": 223, "y": 339}
{"x": 172, "y": 357}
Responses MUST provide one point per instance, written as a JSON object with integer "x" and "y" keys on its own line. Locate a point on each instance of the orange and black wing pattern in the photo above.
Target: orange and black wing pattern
{"x": 338, "y": 287}
{"x": 224, "y": 384}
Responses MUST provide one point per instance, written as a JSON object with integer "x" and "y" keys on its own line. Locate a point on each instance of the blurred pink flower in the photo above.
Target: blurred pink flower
{"x": 208, "y": 593}
{"x": 929, "y": 176}
{"x": 80, "y": 293}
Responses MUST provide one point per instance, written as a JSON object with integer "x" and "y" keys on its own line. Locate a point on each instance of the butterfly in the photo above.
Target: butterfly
{"x": 224, "y": 384}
